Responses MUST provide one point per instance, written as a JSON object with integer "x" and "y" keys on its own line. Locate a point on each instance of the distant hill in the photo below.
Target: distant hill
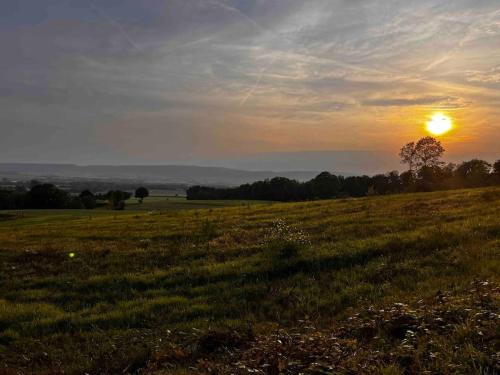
{"x": 338, "y": 162}
{"x": 184, "y": 174}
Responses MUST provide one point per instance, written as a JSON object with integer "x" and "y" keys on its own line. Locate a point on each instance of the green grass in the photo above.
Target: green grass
{"x": 181, "y": 203}
{"x": 158, "y": 204}
{"x": 138, "y": 275}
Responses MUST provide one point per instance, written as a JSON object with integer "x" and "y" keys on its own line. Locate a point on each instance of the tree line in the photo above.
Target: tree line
{"x": 426, "y": 172}
{"x": 49, "y": 196}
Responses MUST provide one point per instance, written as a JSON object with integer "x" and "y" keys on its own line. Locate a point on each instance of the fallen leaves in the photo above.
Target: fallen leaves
{"x": 435, "y": 335}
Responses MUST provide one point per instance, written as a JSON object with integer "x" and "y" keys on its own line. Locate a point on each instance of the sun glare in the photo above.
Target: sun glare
{"x": 439, "y": 124}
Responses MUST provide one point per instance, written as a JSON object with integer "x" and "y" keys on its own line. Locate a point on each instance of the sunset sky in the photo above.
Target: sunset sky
{"x": 150, "y": 81}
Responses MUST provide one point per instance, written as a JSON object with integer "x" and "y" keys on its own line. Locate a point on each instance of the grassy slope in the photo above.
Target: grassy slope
{"x": 137, "y": 275}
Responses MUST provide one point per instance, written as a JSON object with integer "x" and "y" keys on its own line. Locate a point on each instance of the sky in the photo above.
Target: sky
{"x": 150, "y": 81}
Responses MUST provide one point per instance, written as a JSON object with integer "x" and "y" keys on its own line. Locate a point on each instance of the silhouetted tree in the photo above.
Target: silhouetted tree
{"x": 5, "y": 196}
{"x": 408, "y": 181}
{"x": 429, "y": 150}
{"x": 47, "y": 196}
{"x": 141, "y": 193}
{"x": 381, "y": 184}
{"x": 496, "y": 168}
{"x": 474, "y": 172}
{"x": 356, "y": 186}
{"x": 117, "y": 198}
{"x": 325, "y": 185}
{"x": 428, "y": 174}
{"x": 430, "y": 178}
{"x": 409, "y": 156}
{"x": 88, "y": 199}
{"x": 395, "y": 185}
{"x": 13, "y": 200}
{"x": 425, "y": 153}
{"x": 448, "y": 177}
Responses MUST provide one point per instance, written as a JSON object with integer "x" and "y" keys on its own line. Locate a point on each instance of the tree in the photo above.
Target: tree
{"x": 381, "y": 184}
{"x": 407, "y": 181}
{"x": 408, "y": 156}
{"x": 495, "y": 173}
{"x": 356, "y": 186}
{"x": 429, "y": 150}
{"x": 88, "y": 199}
{"x": 283, "y": 189}
{"x": 47, "y": 196}
{"x": 141, "y": 193}
{"x": 430, "y": 178}
{"x": 325, "y": 185}
{"x": 474, "y": 172}
{"x": 394, "y": 182}
{"x": 496, "y": 168}
{"x": 425, "y": 153}
{"x": 117, "y": 198}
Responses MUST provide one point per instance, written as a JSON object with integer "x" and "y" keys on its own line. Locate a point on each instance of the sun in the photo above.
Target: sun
{"x": 439, "y": 124}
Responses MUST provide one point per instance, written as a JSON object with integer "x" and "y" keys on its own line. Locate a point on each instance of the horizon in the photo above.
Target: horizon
{"x": 228, "y": 81}
{"x": 311, "y": 161}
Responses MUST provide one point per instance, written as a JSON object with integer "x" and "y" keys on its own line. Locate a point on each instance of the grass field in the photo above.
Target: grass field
{"x": 166, "y": 289}
{"x": 155, "y": 205}
{"x": 181, "y": 203}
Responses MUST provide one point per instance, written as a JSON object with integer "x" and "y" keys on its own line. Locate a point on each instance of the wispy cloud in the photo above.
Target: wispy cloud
{"x": 488, "y": 76}
{"x": 315, "y": 74}
{"x": 435, "y": 101}
{"x": 115, "y": 25}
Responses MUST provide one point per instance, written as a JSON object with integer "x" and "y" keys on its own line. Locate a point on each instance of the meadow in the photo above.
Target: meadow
{"x": 176, "y": 286}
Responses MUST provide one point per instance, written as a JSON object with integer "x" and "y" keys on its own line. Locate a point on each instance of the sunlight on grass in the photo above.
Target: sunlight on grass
{"x": 141, "y": 275}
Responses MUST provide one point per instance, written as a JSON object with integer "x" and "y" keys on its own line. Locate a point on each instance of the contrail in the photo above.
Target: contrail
{"x": 261, "y": 28}
{"x": 257, "y": 83}
{"x": 240, "y": 13}
{"x": 115, "y": 25}
{"x": 469, "y": 35}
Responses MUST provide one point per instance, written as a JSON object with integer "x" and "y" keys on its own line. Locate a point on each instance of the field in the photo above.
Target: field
{"x": 180, "y": 203}
{"x": 384, "y": 284}
{"x": 157, "y": 205}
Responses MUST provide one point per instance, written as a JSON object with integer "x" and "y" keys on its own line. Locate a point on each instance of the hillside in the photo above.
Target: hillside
{"x": 367, "y": 285}
{"x": 179, "y": 174}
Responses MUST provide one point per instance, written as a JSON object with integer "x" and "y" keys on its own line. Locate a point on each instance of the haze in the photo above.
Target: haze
{"x": 213, "y": 81}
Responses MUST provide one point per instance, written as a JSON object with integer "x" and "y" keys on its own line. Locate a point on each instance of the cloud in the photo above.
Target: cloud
{"x": 187, "y": 67}
{"x": 435, "y": 101}
{"x": 488, "y": 76}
